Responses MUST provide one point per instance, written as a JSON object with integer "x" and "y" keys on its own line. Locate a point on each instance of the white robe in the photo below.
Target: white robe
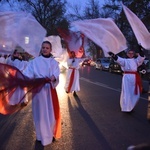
{"x": 2, "y": 60}
{"x": 42, "y": 106}
{"x": 76, "y": 65}
{"x": 19, "y": 93}
{"x": 21, "y": 65}
{"x": 128, "y": 98}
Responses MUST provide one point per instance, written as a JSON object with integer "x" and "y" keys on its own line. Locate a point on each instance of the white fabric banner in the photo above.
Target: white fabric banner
{"x": 20, "y": 28}
{"x": 141, "y": 33}
{"x": 103, "y": 32}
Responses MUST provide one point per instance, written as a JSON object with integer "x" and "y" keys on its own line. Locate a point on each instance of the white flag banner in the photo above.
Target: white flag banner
{"x": 141, "y": 33}
{"x": 20, "y": 29}
{"x": 103, "y": 32}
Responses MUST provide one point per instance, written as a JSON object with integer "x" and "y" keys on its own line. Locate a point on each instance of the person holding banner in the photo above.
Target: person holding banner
{"x": 131, "y": 81}
{"x": 72, "y": 77}
{"x": 17, "y": 61}
{"x": 45, "y": 104}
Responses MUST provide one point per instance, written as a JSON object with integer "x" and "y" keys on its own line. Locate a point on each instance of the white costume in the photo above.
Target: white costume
{"x": 42, "y": 104}
{"x": 19, "y": 93}
{"x": 128, "y": 98}
{"x": 72, "y": 82}
{"x": 3, "y": 60}
{"x": 21, "y": 65}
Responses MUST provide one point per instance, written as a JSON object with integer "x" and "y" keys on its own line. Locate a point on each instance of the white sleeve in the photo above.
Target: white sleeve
{"x": 29, "y": 70}
{"x": 140, "y": 60}
{"x": 121, "y": 61}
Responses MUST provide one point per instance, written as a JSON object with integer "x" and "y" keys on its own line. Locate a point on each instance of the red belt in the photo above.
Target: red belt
{"x": 71, "y": 68}
{"x": 138, "y": 82}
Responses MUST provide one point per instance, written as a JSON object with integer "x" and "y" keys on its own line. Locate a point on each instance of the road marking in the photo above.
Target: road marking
{"x": 105, "y": 86}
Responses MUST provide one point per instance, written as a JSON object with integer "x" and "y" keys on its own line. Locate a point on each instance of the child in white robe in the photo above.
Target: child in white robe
{"x": 131, "y": 84}
{"x": 45, "y": 105}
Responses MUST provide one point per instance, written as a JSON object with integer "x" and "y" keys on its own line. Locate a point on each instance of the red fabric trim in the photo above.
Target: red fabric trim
{"x": 138, "y": 82}
{"x": 57, "y": 131}
{"x": 10, "y": 79}
{"x": 71, "y": 79}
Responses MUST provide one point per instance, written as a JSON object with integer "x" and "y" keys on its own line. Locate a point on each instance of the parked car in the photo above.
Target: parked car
{"x": 114, "y": 67}
{"x": 102, "y": 63}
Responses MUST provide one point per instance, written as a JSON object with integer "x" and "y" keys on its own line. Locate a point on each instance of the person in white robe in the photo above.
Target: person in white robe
{"x": 46, "y": 115}
{"x": 72, "y": 77}
{"x": 131, "y": 81}
{"x": 16, "y": 61}
{"x": 3, "y": 59}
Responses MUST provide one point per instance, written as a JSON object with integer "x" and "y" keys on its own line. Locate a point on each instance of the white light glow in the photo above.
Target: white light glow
{"x": 26, "y": 40}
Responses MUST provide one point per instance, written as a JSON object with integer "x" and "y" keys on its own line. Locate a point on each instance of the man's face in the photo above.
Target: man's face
{"x": 130, "y": 54}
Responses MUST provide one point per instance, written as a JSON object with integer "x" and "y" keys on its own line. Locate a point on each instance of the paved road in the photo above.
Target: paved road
{"x": 90, "y": 121}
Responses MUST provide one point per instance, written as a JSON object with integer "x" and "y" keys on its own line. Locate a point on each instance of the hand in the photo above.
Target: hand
{"x": 111, "y": 54}
{"x": 52, "y": 78}
{"x": 141, "y": 50}
{"x": 48, "y": 79}
{"x": 140, "y": 47}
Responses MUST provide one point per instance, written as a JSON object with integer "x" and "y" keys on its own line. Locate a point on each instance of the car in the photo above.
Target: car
{"x": 114, "y": 67}
{"x": 102, "y": 63}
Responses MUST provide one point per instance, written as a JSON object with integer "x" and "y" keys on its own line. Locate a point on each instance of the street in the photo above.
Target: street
{"x": 92, "y": 120}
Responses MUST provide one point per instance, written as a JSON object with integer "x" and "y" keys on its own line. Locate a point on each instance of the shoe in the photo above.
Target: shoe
{"x": 23, "y": 104}
{"x": 38, "y": 141}
{"x": 74, "y": 93}
{"x": 54, "y": 140}
{"x": 144, "y": 91}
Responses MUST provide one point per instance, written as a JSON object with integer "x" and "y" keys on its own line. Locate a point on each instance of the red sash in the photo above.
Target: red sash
{"x": 71, "y": 79}
{"x": 138, "y": 82}
{"x": 57, "y": 130}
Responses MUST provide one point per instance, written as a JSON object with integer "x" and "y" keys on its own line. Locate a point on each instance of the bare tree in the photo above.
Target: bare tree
{"x": 49, "y": 13}
{"x": 91, "y": 10}
{"x": 111, "y": 9}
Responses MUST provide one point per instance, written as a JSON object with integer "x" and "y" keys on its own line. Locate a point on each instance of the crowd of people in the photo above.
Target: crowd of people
{"x": 46, "y": 112}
